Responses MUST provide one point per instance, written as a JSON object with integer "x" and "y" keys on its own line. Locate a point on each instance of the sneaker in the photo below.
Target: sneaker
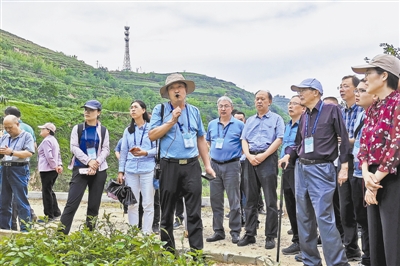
{"x": 269, "y": 243}
{"x": 293, "y": 249}
{"x": 299, "y": 257}
{"x": 178, "y": 223}
{"x": 290, "y": 231}
{"x": 34, "y": 217}
{"x": 227, "y": 215}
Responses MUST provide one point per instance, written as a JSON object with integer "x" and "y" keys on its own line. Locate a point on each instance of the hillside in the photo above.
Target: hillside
{"x": 51, "y": 86}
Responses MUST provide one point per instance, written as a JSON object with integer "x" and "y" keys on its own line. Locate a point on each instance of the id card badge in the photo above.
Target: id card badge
{"x": 188, "y": 141}
{"x": 7, "y": 158}
{"x": 219, "y": 143}
{"x": 309, "y": 145}
{"x": 91, "y": 152}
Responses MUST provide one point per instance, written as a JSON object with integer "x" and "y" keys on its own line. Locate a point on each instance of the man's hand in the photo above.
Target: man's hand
{"x": 343, "y": 174}
{"x": 211, "y": 171}
{"x": 285, "y": 160}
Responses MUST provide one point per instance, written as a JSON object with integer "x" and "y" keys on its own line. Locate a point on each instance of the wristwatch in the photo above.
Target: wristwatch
{"x": 12, "y": 152}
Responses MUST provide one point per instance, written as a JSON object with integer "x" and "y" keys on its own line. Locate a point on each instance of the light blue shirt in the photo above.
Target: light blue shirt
{"x": 356, "y": 148}
{"x": 289, "y": 136}
{"x": 118, "y": 147}
{"x": 27, "y": 128}
{"x": 232, "y": 145}
{"x": 260, "y": 133}
{"x": 23, "y": 142}
{"x": 172, "y": 143}
{"x": 128, "y": 163}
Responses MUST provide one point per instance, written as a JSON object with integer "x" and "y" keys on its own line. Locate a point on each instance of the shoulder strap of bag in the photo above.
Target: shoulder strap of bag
{"x": 158, "y": 143}
{"x": 359, "y": 127}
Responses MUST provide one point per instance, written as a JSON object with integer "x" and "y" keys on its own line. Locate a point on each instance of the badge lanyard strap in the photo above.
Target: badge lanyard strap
{"x": 223, "y": 131}
{"x": 315, "y": 122}
{"x": 187, "y": 115}
{"x": 95, "y": 137}
{"x": 134, "y": 135}
{"x": 9, "y": 142}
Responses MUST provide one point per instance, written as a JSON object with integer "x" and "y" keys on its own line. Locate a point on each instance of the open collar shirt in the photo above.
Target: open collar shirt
{"x": 23, "y": 142}
{"x": 380, "y": 141}
{"x": 232, "y": 146}
{"x": 261, "y": 132}
{"x": 349, "y": 115}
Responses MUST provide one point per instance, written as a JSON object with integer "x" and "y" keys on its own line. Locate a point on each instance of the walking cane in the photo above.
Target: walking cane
{"x": 280, "y": 215}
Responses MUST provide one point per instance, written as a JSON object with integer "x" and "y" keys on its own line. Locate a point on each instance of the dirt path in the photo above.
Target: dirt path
{"x": 222, "y": 246}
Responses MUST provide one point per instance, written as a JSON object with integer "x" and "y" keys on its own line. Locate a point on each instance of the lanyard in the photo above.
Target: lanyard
{"x": 9, "y": 142}
{"x": 224, "y": 131}
{"x": 315, "y": 122}
{"x": 134, "y": 135}
{"x": 95, "y": 136}
{"x": 187, "y": 115}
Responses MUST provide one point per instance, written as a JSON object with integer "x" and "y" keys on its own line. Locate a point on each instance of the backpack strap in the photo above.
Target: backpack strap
{"x": 158, "y": 142}
{"x": 103, "y": 133}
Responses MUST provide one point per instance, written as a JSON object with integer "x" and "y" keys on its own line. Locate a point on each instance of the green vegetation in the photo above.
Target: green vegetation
{"x": 49, "y": 86}
{"x": 106, "y": 245}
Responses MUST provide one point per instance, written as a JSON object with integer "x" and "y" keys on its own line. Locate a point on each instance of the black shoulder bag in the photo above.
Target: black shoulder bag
{"x": 157, "y": 168}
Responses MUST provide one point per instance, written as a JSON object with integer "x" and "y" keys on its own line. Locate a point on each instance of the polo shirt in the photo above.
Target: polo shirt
{"x": 24, "y": 141}
{"x": 232, "y": 145}
{"x": 261, "y": 132}
{"x": 172, "y": 143}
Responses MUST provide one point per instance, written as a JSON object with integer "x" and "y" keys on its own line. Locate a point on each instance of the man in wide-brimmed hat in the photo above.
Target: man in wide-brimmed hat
{"x": 180, "y": 130}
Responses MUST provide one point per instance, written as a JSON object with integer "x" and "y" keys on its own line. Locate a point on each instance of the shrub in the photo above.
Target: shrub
{"x": 105, "y": 245}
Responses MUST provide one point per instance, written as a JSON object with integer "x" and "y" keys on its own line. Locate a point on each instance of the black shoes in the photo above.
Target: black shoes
{"x": 246, "y": 239}
{"x": 356, "y": 256}
{"x": 293, "y": 249}
{"x": 156, "y": 229}
{"x": 215, "y": 237}
{"x": 290, "y": 231}
{"x": 235, "y": 239}
{"x": 269, "y": 243}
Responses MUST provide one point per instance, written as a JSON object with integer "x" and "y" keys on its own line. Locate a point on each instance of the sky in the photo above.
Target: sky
{"x": 267, "y": 45}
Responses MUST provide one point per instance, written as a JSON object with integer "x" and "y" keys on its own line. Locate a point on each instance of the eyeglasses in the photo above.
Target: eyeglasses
{"x": 369, "y": 73}
{"x": 302, "y": 90}
{"x": 356, "y": 91}
{"x": 88, "y": 110}
{"x": 293, "y": 103}
{"x": 226, "y": 106}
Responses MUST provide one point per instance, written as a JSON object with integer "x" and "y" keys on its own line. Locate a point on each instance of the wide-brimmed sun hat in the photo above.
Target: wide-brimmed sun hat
{"x": 309, "y": 83}
{"x": 387, "y": 62}
{"x": 176, "y": 77}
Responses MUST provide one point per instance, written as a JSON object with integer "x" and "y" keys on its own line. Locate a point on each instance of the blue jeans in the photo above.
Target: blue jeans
{"x": 315, "y": 185}
{"x": 15, "y": 181}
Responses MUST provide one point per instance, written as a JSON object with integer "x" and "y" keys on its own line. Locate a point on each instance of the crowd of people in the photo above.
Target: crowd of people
{"x": 340, "y": 167}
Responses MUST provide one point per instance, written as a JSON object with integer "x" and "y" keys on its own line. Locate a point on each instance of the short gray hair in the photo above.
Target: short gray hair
{"x": 225, "y": 98}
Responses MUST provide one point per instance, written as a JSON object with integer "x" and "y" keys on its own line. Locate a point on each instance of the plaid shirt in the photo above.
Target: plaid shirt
{"x": 349, "y": 117}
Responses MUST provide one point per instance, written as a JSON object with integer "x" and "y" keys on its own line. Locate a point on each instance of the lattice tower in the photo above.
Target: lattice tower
{"x": 127, "y": 61}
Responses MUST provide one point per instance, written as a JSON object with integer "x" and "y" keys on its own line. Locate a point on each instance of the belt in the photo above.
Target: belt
{"x": 307, "y": 161}
{"x": 257, "y": 152}
{"x": 14, "y": 163}
{"x": 223, "y": 162}
{"x": 180, "y": 161}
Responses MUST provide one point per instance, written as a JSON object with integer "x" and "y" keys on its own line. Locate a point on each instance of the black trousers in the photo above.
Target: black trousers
{"x": 262, "y": 176}
{"x": 50, "y": 205}
{"x": 181, "y": 179}
{"x": 179, "y": 209}
{"x": 290, "y": 200}
{"x": 347, "y": 215}
{"x": 360, "y": 211}
{"x": 77, "y": 187}
{"x": 384, "y": 222}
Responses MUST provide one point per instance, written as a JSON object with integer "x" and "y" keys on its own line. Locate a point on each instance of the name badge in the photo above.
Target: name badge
{"x": 7, "y": 158}
{"x": 309, "y": 145}
{"x": 91, "y": 152}
{"x": 188, "y": 141}
{"x": 219, "y": 143}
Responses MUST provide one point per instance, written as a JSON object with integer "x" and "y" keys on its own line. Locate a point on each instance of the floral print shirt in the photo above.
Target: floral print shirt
{"x": 380, "y": 141}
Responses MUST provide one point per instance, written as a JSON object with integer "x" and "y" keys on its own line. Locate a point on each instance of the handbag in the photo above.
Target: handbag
{"x": 120, "y": 192}
{"x": 157, "y": 168}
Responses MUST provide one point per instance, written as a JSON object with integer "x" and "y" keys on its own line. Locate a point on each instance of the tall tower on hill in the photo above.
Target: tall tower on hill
{"x": 127, "y": 61}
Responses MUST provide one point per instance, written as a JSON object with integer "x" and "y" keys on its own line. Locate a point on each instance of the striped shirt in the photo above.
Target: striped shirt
{"x": 349, "y": 117}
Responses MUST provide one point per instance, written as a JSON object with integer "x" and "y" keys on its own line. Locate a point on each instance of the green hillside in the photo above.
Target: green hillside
{"x": 50, "y": 86}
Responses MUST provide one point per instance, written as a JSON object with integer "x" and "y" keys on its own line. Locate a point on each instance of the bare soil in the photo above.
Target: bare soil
{"x": 223, "y": 246}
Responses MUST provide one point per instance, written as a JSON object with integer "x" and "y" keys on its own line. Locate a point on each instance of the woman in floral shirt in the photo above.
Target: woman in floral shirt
{"x": 380, "y": 157}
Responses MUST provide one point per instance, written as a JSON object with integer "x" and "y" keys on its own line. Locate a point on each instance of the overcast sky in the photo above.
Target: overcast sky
{"x": 254, "y": 44}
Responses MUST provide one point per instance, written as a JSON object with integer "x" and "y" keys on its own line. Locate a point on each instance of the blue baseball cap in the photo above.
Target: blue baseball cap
{"x": 93, "y": 104}
{"x": 308, "y": 83}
